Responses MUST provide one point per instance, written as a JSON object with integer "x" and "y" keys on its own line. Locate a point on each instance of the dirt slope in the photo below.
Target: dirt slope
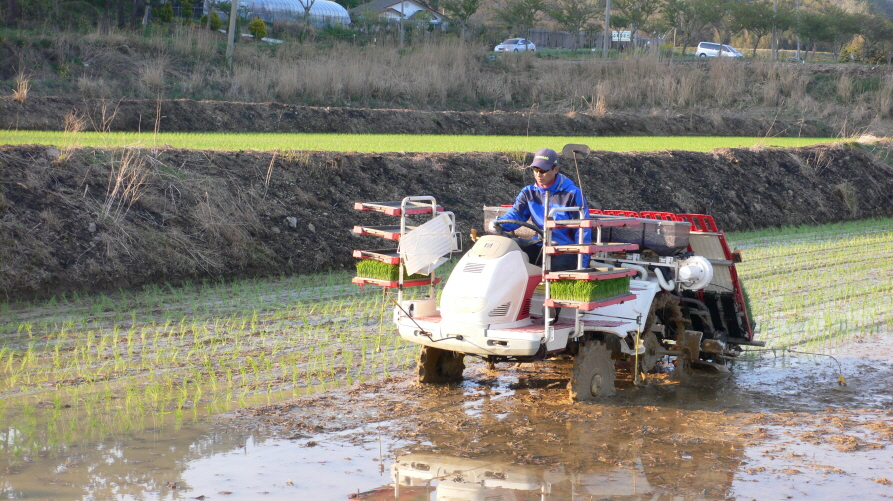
{"x": 183, "y": 115}
{"x": 98, "y": 219}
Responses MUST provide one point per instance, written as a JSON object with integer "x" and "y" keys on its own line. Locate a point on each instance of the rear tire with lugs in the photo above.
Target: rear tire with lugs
{"x": 439, "y": 366}
{"x": 593, "y": 374}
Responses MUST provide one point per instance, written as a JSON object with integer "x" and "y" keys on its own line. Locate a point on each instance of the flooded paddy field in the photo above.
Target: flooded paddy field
{"x": 296, "y": 388}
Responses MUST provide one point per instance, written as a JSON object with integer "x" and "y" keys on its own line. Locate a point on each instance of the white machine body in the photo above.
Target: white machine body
{"x": 490, "y": 306}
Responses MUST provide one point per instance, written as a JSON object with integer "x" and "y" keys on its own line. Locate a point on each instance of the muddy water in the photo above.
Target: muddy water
{"x": 778, "y": 427}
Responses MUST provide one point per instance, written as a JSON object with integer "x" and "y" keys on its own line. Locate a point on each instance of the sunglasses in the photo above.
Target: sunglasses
{"x": 537, "y": 170}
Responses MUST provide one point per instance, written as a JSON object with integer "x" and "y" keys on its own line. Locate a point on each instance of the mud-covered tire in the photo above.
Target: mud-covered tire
{"x": 649, "y": 359}
{"x": 593, "y": 374}
{"x": 439, "y": 366}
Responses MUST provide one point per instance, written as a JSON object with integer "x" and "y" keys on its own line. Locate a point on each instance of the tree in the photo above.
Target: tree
{"x": 636, "y": 13}
{"x": 307, "y": 4}
{"x": 875, "y": 30}
{"x": 520, "y": 14}
{"x": 842, "y": 27}
{"x": 258, "y": 28}
{"x": 572, "y": 15}
{"x": 165, "y": 13}
{"x": 461, "y": 10}
{"x": 757, "y": 19}
{"x": 186, "y": 9}
{"x": 215, "y": 23}
{"x": 812, "y": 28}
{"x": 690, "y": 17}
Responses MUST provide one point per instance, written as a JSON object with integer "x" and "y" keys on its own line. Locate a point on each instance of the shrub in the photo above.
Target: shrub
{"x": 216, "y": 22}
{"x": 186, "y": 9}
{"x": 258, "y": 28}
{"x": 165, "y": 13}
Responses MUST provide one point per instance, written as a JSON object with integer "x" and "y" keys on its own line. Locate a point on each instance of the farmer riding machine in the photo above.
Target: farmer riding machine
{"x": 659, "y": 286}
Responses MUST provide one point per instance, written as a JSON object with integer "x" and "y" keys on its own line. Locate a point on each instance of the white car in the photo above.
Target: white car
{"x": 709, "y": 49}
{"x": 515, "y": 45}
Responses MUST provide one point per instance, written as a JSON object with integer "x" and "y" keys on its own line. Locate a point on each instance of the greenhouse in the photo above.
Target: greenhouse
{"x": 322, "y": 12}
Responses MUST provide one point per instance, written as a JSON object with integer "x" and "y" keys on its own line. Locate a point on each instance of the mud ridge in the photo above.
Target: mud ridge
{"x": 185, "y": 214}
{"x": 183, "y": 115}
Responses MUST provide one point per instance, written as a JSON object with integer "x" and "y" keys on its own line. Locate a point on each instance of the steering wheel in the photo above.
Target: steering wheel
{"x": 525, "y": 224}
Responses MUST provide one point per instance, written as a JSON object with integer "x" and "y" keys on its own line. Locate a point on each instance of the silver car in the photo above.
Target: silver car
{"x": 709, "y": 49}
{"x": 515, "y": 45}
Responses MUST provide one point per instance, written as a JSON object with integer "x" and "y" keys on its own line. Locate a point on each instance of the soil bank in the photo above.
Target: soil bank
{"x": 95, "y": 219}
{"x": 184, "y": 115}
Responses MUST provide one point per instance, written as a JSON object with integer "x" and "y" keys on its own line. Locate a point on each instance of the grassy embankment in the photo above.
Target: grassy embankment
{"x": 76, "y": 368}
{"x": 391, "y": 142}
{"x": 441, "y": 73}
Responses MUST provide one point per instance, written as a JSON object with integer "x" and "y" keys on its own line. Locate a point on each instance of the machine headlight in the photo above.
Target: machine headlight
{"x": 695, "y": 273}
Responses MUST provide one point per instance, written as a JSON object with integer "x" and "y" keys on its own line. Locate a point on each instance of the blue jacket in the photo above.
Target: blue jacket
{"x": 562, "y": 193}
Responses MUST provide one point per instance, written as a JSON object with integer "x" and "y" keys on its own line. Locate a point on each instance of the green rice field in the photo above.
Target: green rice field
{"x": 80, "y": 367}
{"x": 367, "y": 143}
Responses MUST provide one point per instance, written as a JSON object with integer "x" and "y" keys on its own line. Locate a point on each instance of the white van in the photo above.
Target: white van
{"x": 709, "y": 49}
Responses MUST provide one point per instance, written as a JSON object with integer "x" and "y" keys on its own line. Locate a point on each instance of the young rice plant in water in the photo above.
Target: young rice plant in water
{"x": 78, "y": 367}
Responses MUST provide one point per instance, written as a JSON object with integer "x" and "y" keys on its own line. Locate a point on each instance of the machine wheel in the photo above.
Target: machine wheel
{"x": 439, "y": 366}
{"x": 593, "y": 373}
{"x": 648, "y": 359}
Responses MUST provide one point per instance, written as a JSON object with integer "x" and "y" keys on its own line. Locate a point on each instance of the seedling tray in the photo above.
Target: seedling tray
{"x": 589, "y": 274}
{"x": 389, "y": 256}
{"x": 593, "y": 223}
{"x": 386, "y": 232}
{"x": 394, "y": 209}
{"x": 590, "y": 248}
{"x": 388, "y": 284}
{"x": 580, "y": 305}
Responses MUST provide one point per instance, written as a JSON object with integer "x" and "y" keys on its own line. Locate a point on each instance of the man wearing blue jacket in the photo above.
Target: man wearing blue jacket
{"x": 529, "y": 206}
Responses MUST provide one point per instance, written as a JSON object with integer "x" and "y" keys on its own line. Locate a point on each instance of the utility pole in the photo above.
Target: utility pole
{"x": 774, "y": 32}
{"x": 607, "y": 42}
{"x": 798, "y": 35}
{"x": 231, "y": 34}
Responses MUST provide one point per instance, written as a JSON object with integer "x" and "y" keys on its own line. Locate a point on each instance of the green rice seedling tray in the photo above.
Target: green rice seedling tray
{"x": 378, "y": 270}
{"x": 588, "y": 291}
{"x": 587, "y": 274}
{"x": 589, "y": 305}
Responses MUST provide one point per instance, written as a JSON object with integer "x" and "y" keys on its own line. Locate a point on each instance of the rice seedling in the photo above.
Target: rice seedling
{"x": 367, "y": 143}
{"x": 814, "y": 287}
{"x": 78, "y": 366}
{"x": 588, "y": 290}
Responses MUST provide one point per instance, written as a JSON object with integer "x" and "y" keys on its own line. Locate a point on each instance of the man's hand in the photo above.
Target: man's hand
{"x": 493, "y": 228}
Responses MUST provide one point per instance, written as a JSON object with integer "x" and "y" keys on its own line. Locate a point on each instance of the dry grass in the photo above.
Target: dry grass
{"x": 883, "y": 100}
{"x": 73, "y": 123}
{"x": 442, "y": 73}
{"x": 23, "y": 85}
{"x": 127, "y": 175}
{"x": 151, "y": 75}
{"x": 194, "y": 81}
{"x": 844, "y": 88}
{"x": 95, "y": 87}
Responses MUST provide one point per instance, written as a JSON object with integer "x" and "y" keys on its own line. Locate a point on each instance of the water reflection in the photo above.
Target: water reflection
{"x": 630, "y": 472}
{"x": 417, "y": 475}
{"x": 142, "y": 466}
